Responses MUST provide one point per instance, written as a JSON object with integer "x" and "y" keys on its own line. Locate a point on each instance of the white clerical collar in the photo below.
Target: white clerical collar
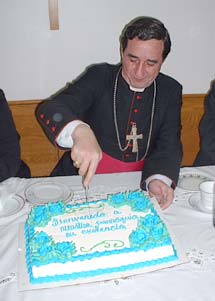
{"x": 136, "y": 89}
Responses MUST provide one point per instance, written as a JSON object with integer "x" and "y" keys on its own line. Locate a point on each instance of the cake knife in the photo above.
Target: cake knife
{"x": 86, "y": 188}
{"x": 86, "y": 193}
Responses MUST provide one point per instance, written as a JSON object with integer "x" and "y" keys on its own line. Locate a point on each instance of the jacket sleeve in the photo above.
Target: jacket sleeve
{"x": 165, "y": 154}
{"x": 206, "y": 154}
{"x": 71, "y": 103}
{"x": 9, "y": 142}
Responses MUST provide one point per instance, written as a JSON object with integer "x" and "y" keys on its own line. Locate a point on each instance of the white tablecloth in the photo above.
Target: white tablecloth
{"x": 193, "y": 229}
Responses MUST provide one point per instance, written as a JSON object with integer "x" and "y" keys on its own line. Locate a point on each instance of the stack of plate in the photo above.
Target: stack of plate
{"x": 11, "y": 206}
{"x": 43, "y": 192}
{"x": 190, "y": 182}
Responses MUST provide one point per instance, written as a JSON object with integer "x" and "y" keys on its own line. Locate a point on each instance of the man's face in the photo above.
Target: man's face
{"x": 141, "y": 62}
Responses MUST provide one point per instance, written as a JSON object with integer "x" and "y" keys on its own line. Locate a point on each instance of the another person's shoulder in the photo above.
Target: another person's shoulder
{"x": 210, "y": 98}
{"x": 3, "y": 101}
{"x": 213, "y": 85}
{"x": 212, "y": 89}
{"x": 2, "y": 96}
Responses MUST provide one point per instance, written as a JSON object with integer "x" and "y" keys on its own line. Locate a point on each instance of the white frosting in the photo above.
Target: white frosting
{"x": 90, "y": 229}
{"x": 84, "y": 237}
{"x": 101, "y": 263}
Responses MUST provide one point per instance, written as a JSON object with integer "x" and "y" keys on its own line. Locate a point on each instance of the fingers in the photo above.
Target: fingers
{"x": 165, "y": 201}
{"x": 85, "y": 153}
{"x": 77, "y": 164}
{"x": 89, "y": 174}
{"x": 162, "y": 192}
{"x": 168, "y": 200}
{"x": 87, "y": 168}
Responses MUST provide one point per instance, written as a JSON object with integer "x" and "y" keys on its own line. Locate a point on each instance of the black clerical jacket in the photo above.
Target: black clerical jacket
{"x": 91, "y": 99}
{"x": 10, "y": 162}
{"x": 206, "y": 154}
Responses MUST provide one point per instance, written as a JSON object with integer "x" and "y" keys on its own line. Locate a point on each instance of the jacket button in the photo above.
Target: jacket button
{"x": 57, "y": 117}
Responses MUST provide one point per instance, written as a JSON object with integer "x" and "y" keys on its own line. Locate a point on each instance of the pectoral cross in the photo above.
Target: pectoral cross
{"x": 134, "y": 136}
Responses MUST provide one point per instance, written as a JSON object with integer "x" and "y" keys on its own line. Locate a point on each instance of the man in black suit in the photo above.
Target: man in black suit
{"x": 206, "y": 154}
{"x": 122, "y": 117}
{"x": 10, "y": 162}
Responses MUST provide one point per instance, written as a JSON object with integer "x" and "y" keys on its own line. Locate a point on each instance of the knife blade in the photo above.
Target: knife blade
{"x": 86, "y": 193}
{"x": 85, "y": 189}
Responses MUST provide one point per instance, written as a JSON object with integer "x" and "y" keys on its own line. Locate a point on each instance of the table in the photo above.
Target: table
{"x": 194, "y": 280}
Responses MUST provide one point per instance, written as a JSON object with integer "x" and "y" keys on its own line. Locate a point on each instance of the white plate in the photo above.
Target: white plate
{"x": 13, "y": 205}
{"x": 194, "y": 201}
{"x": 191, "y": 180}
{"x": 43, "y": 192}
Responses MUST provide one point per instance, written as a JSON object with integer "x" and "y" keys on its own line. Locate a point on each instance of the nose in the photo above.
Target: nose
{"x": 140, "y": 70}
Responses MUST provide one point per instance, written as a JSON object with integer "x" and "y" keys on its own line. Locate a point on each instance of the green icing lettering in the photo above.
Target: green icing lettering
{"x": 106, "y": 244}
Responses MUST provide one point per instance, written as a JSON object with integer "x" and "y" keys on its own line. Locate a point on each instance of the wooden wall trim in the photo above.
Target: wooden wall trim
{"x": 191, "y": 115}
{"x": 36, "y": 150}
{"x": 41, "y": 155}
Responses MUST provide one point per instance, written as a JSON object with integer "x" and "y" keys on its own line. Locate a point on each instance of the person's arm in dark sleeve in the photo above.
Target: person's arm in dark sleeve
{"x": 165, "y": 154}
{"x": 206, "y": 154}
{"x": 10, "y": 161}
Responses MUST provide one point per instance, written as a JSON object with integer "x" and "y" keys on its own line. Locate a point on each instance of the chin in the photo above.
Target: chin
{"x": 139, "y": 86}
{"x": 142, "y": 86}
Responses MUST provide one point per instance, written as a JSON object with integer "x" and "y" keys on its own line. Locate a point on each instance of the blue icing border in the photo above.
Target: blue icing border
{"x": 144, "y": 237}
{"x": 99, "y": 272}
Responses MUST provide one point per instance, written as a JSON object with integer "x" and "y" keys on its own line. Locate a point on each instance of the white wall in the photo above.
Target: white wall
{"x": 35, "y": 61}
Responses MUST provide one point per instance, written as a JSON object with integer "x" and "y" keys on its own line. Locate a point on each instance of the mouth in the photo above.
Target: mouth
{"x": 141, "y": 83}
{"x": 133, "y": 81}
{"x": 137, "y": 80}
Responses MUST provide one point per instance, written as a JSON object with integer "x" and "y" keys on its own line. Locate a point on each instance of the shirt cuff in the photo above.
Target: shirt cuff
{"x": 163, "y": 178}
{"x": 64, "y": 139}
